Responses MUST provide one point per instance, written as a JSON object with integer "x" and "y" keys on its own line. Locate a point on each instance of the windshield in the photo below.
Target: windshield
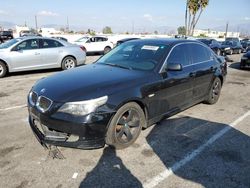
{"x": 207, "y": 42}
{"x": 227, "y": 43}
{"x": 83, "y": 39}
{"x": 8, "y": 43}
{"x": 139, "y": 56}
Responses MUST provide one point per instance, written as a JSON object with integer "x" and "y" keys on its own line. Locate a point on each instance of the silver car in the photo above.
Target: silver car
{"x": 33, "y": 53}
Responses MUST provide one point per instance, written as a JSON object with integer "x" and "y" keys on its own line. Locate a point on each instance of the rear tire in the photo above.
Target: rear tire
{"x": 68, "y": 63}
{"x": 214, "y": 92}
{"x": 3, "y": 69}
{"x": 125, "y": 126}
{"x": 106, "y": 50}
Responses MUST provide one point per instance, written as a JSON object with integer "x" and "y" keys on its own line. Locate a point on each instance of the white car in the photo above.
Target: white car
{"x": 97, "y": 44}
{"x": 33, "y": 53}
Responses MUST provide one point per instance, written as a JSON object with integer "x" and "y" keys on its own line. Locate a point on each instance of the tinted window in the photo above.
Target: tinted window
{"x": 179, "y": 55}
{"x": 100, "y": 39}
{"x": 199, "y": 53}
{"x": 47, "y": 43}
{"x": 28, "y": 45}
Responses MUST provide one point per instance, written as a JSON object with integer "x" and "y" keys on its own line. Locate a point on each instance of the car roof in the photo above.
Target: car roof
{"x": 167, "y": 41}
{"x": 39, "y": 37}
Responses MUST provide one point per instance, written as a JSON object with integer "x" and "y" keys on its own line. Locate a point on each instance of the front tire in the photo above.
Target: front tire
{"x": 3, "y": 69}
{"x": 214, "y": 92}
{"x": 125, "y": 126}
{"x": 68, "y": 63}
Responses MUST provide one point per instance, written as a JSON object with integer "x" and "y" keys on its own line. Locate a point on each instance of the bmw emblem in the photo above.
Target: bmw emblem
{"x": 42, "y": 90}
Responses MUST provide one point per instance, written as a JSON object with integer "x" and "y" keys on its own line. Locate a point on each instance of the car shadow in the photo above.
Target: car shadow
{"x": 237, "y": 66}
{"x": 110, "y": 172}
{"x": 225, "y": 163}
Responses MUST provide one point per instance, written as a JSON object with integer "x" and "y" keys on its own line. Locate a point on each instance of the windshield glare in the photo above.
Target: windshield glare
{"x": 8, "y": 43}
{"x": 135, "y": 56}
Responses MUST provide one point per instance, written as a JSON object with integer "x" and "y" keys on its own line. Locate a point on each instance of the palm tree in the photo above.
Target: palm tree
{"x": 194, "y": 7}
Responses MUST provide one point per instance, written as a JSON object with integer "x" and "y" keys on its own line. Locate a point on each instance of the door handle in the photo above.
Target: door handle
{"x": 191, "y": 74}
{"x": 37, "y": 53}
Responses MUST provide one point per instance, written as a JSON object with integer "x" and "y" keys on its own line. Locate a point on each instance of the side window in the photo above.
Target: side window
{"x": 28, "y": 45}
{"x": 179, "y": 55}
{"x": 47, "y": 43}
{"x": 93, "y": 39}
{"x": 199, "y": 53}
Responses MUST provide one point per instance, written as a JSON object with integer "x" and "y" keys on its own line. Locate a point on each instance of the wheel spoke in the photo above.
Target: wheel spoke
{"x": 131, "y": 115}
{"x": 120, "y": 133}
{"x": 128, "y": 133}
{"x": 134, "y": 123}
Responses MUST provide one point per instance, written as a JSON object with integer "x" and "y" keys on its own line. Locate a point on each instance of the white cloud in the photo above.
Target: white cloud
{"x": 148, "y": 17}
{"x": 247, "y": 18}
{"x": 2, "y": 12}
{"x": 47, "y": 13}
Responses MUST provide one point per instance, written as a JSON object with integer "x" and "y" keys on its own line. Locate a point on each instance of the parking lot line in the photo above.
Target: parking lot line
{"x": 168, "y": 172}
{"x": 12, "y": 108}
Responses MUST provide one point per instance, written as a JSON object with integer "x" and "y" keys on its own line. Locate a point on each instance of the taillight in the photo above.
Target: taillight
{"x": 83, "y": 48}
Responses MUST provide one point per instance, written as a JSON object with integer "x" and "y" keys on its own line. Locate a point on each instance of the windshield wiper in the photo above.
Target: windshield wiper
{"x": 120, "y": 66}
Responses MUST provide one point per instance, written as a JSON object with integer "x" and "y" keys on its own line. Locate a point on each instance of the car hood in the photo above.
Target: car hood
{"x": 87, "y": 82}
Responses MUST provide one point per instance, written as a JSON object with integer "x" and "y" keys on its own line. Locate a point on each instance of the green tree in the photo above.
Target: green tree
{"x": 107, "y": 30}
{"x": 194, "y": 8}
{"x": 181, "y": 30}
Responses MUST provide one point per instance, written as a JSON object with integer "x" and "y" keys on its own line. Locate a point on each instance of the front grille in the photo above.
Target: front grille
{"x": 33, "y": 98}
{"x": 43, "y": 103}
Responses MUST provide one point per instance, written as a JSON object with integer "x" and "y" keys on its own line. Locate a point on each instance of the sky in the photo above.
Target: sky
{"x": 137, "y": 15}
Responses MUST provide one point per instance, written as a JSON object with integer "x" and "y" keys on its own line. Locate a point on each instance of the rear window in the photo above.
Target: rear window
{"x": 47, "y": 43}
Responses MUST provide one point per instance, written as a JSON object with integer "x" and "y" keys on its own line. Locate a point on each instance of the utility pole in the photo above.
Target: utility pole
{"x": 67, "y": 28}
{"x": 36, "y": 22}
{"x": 133, "y": 27}
{"x": 226, "y": 30}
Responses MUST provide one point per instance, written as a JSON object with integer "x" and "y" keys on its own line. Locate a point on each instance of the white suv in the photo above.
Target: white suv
{"x": 95, "y": 44}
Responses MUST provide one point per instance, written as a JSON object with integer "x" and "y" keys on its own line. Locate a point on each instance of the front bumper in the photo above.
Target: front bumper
{"x": 87, "y": 134}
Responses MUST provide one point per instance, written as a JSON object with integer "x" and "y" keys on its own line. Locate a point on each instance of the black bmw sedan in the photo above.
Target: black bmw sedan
{"x": 135, "y": 85}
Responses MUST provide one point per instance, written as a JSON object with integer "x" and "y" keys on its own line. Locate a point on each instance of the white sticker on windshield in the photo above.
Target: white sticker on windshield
{"x": 146, "y": 47}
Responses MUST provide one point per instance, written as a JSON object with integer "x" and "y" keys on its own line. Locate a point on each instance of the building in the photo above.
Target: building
{"x": 214, "y": 34}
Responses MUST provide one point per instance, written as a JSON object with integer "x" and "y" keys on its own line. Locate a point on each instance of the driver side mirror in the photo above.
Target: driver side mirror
{"x": 174, "y": 67}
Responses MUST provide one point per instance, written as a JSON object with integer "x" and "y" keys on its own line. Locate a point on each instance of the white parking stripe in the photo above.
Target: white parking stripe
{"x": 168, "y": 172}
{"x": 14, "y": 107}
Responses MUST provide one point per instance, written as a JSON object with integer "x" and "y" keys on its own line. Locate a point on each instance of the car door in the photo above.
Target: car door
{"x": 25, "y": 55}
{"x": 173, "y": 91}
{"x": 51, "y": 51}
{"x": 203, "y": 69}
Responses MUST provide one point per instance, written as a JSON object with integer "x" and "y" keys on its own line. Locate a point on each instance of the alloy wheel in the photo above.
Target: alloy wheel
{"x": 216, "y": 90}
{"x": 69, "y": 63}
{"x": 127, "y": 126}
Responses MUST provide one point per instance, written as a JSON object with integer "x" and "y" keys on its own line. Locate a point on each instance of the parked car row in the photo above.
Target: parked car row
{"x": 229, "y": 46}
{"x": 33, "y": 53}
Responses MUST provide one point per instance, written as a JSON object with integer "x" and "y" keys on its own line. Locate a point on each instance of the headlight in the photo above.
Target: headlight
{"x": 227, "y": 48}
{"x": 244, "y": 58}
{"x": 82, "y": 108}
